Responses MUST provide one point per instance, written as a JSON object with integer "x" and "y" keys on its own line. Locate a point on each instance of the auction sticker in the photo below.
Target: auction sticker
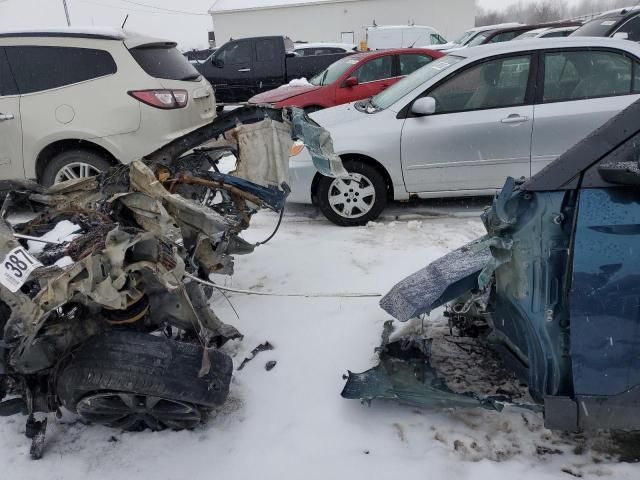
{"x": 16, "y": 268}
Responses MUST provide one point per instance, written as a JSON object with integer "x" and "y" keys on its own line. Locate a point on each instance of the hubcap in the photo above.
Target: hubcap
{"x": 352, "y": 197}
{"x": 76, "y": 170}
{"x": 129, "y": 411}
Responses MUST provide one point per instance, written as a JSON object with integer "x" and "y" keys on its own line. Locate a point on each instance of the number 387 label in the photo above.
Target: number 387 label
{"x": 16, "y": 267}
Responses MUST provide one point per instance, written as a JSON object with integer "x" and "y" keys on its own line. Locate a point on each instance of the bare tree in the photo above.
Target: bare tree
{"x": 542, "y": 11}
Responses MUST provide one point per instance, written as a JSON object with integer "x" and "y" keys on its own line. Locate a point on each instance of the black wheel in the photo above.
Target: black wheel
{"x": 77, "y": 163}
{"x": 133, "y": 380}
{"x": 355, "y": 201}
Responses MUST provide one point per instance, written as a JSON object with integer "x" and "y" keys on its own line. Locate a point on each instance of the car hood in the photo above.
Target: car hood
{"x": 337, "y": 115}
{"x": 282, "y": 93}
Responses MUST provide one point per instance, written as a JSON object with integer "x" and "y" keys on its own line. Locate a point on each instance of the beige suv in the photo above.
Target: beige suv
{"x": 74, "y": 102}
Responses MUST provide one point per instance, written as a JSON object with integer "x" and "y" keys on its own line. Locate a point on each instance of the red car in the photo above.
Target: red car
{"x": 352, "y": 78}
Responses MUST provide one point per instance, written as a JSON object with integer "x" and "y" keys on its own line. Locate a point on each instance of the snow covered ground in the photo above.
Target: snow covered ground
{"x": 290, "y": 422}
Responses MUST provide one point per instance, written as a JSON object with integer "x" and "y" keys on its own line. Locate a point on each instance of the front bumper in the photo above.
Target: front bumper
{"x": 301, "y": 175}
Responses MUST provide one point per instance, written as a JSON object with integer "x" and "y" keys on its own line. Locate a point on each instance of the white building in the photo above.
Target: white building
{"x": 335, "y": 20}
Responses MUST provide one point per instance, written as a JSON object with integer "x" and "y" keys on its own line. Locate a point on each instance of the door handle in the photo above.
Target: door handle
{"x": 244, "y": 70}
{"x": 6, "y": 116}
{"x": 514, "y": 118}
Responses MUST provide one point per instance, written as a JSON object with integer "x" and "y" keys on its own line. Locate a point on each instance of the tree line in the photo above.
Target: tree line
{"x": 543, "y": 11}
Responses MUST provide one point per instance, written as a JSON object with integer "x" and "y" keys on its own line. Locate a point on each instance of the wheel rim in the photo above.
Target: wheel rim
{"x": 352, "y": 197}
{"x": 130, "y": 411}
{"x": 75, "y": 170}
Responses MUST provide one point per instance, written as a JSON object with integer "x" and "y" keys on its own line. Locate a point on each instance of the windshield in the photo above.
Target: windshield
{"x": 466, "y": 36}
{"x": 524, "y": 36}
{"x": 478, "y": 39}
{"x": 417, "y": 79}
{"x": 333, "y": 72}
{"x": 598, "y": 27}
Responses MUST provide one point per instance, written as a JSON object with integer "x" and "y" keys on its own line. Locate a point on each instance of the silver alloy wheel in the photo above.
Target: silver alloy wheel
{"x": 130, "y": 411}
{"x": 76, "y": 170}
{"x": 352, "y": 197}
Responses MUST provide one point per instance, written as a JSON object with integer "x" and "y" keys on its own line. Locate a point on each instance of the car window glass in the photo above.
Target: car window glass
{"x": 411, "y": 63}
{"x": 478, "y": 39}
{"x": 504, "y": 37}
{"x": 42, "y": 68}
{"x": 266, "y": 50}
{"x": 163, "y": 62}
{"x": 632, "y": 29}
{"x": 493, "y": 84}
{"x": 376, "y": 69}
{"x": 7, "y": 84}
{"x": 437, "y": 39}
{"x": 236, "y": 53}
{"x": 560, "y": 33}
{"x": 588, "y": 74}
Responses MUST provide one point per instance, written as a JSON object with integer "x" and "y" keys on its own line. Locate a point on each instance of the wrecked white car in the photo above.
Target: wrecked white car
{"x": 111, "y": 320}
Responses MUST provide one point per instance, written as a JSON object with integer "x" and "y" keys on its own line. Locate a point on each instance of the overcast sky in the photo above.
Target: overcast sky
{"x": 189, "y": 30}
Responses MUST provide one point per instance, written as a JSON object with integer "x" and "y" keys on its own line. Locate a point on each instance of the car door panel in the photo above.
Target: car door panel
{"x": 467, "y": 150}
{"x": 11, "y": 159}
{"x": 480, "y": 133}
{"x": 582, "y": 89}
{"x": 559, "y": 126}
{"x": 373, "y": 76}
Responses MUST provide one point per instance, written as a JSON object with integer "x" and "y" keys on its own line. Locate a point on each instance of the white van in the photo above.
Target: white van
{"x": 402, "y": 36}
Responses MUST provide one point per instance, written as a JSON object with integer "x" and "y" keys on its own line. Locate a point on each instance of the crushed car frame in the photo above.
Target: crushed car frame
{"x": 553, "y": 289}
{"x": 111, "y": 321}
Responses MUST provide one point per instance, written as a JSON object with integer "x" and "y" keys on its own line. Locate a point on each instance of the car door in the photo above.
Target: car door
{"x": 231, "y": 71}
{"x": 480, "y": 133}
{"x": 373, "y": 77}
{"x": 581, "y": 90}
{"x": 269, "y": 64}
{"x": 11, "y": 165}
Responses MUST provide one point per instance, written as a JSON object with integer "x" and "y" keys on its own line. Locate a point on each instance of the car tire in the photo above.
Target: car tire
{"x": 350, "y": 203}
{"x": 129, "y": 380}
{"x": 80, "y": 162}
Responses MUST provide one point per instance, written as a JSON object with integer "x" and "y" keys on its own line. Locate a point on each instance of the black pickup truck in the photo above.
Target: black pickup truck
{"x": 242, "y": 68}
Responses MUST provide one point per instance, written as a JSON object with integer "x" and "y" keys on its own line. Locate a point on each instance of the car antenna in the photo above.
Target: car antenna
{"x": 125, "y": 20}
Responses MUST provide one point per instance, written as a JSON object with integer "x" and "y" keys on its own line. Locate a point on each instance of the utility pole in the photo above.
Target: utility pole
{"x": 66, "y": 12}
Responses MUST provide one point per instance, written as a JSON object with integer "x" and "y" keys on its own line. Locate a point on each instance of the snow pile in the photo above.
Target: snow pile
{"x": 297, "y": 82}
{"x": 290, "y": 422}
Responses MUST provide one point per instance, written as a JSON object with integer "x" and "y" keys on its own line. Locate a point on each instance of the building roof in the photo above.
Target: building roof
{"x": 222, "y": 6}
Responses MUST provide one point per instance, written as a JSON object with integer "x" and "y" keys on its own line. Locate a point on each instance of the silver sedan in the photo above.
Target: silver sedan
{"x": 463, "y": 123}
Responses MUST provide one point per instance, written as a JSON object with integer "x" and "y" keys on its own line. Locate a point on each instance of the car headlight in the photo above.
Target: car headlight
{"x": 296, "y": 148}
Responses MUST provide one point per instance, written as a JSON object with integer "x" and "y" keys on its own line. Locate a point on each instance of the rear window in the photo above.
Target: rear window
{"x": 163, "y": 62}
{"x": 42, "y": 68}
{"x": 7, "y": 85}
{"x": 599, "y": 27}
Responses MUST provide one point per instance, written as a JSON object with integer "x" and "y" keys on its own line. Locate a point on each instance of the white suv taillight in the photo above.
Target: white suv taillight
{"x": 165, "y": 99}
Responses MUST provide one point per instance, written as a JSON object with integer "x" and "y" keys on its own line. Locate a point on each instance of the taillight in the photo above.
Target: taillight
{"x": 165, "y": 99}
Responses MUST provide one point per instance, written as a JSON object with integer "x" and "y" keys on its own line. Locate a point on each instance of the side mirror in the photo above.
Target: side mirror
{"x": 620, "y": 173}
{"x": 424, "y": 106}
{"x": 217, "y": 62}
{"x": 621, "y": 35}
{"x": 351, "y": 82}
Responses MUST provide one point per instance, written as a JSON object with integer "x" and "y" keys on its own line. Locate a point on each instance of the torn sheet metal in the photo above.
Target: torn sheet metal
{"x": 318, "y": 142}
{"x": 404, "y": 374}
{"x": 438, "y": 283}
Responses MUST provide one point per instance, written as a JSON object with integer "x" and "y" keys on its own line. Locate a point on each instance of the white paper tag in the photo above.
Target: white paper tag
{"x": 16, "y": 268}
